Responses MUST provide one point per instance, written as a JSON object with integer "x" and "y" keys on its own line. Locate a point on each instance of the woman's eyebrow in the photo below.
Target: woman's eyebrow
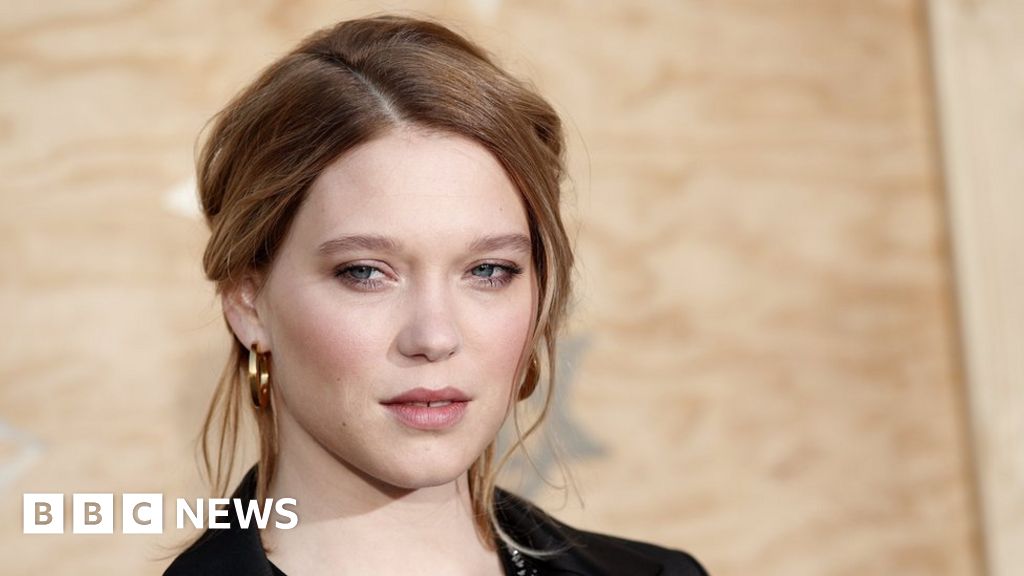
{"x": 358, "y": 242}
{"x": 515, "y": 241}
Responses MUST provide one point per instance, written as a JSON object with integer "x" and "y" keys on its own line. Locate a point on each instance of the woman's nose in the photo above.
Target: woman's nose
{"x": 431, "y": 331}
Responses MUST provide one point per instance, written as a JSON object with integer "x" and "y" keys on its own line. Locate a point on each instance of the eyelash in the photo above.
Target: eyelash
{"x": 511, "y": 272}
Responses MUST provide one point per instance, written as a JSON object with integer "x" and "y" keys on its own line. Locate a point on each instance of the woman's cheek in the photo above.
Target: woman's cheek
{"x": 509, "y": 332}
{"x": 344, "y": 343}
{"x": 332, "y": 343}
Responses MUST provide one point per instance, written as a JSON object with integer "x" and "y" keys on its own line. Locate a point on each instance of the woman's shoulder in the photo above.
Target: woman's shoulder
{"x": 587, "y": 553}
{"x": 614, "y": 552}
{"x": 238, "y": 550}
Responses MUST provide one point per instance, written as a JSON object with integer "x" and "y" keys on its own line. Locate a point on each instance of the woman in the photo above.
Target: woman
{"x": 388, "y": 246}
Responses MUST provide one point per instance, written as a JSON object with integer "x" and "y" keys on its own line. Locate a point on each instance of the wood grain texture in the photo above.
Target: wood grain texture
{"x": 980, "y": 78}
{"x": 770, "y": 370}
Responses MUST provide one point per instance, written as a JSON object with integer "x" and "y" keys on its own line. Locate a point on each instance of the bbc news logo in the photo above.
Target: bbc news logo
{"x": 144, "y": 513}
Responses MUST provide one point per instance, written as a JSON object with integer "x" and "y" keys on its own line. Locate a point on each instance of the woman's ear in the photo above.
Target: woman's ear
{"x": 242, "y": 315}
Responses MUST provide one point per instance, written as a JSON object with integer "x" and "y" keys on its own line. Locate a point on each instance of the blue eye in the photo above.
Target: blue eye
{"x": 495, "y": 275}
{"x": 488, "y": 275}
{"x": 486, "y": 269}
{"x": 360, "y": 276}
{"x": 361, "y": 272}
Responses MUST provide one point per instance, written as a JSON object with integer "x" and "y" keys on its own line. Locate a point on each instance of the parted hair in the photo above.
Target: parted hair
{"x": 340, "y": 87}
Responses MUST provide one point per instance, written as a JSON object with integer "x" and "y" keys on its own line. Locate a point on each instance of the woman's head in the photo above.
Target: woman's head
{"x": 384, "y": 209}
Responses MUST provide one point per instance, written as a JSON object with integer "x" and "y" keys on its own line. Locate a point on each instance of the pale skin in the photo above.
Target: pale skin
{"x": 450, "y": 303}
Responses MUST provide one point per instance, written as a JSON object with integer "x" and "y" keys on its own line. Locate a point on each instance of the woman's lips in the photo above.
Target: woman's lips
{"x": 426, "y": 409}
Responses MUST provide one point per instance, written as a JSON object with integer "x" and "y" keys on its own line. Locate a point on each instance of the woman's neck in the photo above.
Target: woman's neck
{"x": 350, "y": 523}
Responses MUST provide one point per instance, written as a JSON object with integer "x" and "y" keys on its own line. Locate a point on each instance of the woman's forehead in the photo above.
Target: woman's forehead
{"x": 409, "y": 184}
{"x": 405, "y": 161}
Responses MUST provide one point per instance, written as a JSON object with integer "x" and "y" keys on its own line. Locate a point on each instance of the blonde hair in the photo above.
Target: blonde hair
{"x": 340, "y": 87}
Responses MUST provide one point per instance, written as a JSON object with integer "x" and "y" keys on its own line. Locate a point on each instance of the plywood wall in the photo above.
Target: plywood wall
{"x": 978, "y": 50}
{"x": 763, "y": 364}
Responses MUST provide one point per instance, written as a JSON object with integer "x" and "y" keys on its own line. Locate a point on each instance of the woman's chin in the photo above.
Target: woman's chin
{"x": 415, "y": 474}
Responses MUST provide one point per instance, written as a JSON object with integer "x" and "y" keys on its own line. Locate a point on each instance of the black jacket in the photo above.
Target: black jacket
{"x": 239, "y": 552}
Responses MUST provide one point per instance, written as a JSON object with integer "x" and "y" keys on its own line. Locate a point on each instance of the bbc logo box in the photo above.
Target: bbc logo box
{"x": 92, "y": 513}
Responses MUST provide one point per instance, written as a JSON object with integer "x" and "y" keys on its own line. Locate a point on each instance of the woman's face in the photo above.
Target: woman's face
{"x": 397, "y": 308}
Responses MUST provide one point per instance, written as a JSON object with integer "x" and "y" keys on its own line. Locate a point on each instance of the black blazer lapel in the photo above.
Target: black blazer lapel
{"x": 580, "y": 552}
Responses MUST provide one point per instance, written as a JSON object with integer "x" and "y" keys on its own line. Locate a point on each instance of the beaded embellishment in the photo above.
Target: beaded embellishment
{"x": 522, "y": 566}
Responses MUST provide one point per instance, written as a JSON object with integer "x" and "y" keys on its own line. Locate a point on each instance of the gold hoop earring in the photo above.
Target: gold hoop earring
{"x": 531, "y": 380}
{"x": 259, "y": 377}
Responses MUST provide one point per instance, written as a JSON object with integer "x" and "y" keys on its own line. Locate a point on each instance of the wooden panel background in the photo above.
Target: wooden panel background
{"x": 979, "y": 63}
{"x": 763, "y": 364}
